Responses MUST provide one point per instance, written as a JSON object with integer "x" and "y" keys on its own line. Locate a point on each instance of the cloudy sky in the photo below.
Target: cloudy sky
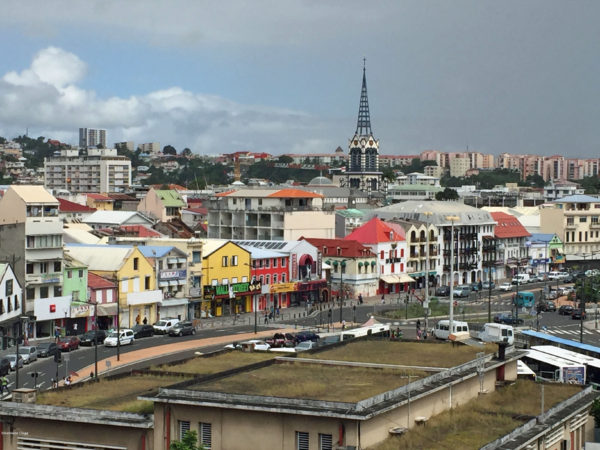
{"x": 284, "y": 76}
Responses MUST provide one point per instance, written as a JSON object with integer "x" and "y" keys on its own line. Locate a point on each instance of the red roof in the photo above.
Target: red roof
{"x": 294, "y": 193}
{"x": 348, "y": 248}
{"x": 508, "y": 226}
{"x": 375, "y": 231}
{"x": 172, "y": 187}
{"x": 140, "y": 230}
{"x": 101, "y": 197}
{"x": 68, "y": 206}
{"x": 97, "y": 282}
{"x": 203, "y": 211}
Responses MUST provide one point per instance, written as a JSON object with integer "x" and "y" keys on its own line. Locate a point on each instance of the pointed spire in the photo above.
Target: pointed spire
{"x": 363, "y": 126}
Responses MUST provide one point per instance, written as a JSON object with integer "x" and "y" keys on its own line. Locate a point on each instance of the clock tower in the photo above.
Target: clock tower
{"x": 363, "y": 172}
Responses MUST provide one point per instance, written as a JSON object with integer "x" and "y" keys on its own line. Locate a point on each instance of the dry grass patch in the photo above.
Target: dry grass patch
{"x": 481, "y": 420}
{"x": 213, "y": 364}
{"x": 301, "y": 380}
{"x": 118, "y": 394}
{"x": 403, "y": 353}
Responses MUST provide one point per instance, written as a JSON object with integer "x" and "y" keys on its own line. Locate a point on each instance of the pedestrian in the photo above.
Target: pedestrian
{"x": 266, "y": 318}
{"x": 383, "y": 299}
{"x": 418, "y": 324}
{"x": 3, "y": 385}
{"x": 138, "y": 319}
{"x": 360, "y": 299}
{"x": 74, "y": 329}
{"x": 145, "y": 321}
{"x": 67, "y": 381}
{"x": 418, "y": 334}
{"x": 343, "y": 324}
{"x": 56, "y": 334}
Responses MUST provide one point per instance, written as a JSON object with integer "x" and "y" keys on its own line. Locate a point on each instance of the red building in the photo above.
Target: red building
{"x": 272, "y": 269}
{"x": 104, "y": 293}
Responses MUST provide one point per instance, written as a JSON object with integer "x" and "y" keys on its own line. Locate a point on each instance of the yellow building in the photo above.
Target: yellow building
{"x": 134, "y": 274}
{"x": 227, "y": 284}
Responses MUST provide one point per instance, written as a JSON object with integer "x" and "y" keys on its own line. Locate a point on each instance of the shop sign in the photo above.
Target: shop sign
{"x": 171, "y": 274}
{"x": 230, "y": 290}
{"x": 294, "y": 265}
{"x": 82, "y": 310}
{"x": 283, "y": 287}
{"x": 319, "y": 264}
{"x": 194, "y": 292}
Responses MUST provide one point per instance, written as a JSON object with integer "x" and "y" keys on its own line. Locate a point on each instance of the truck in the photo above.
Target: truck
{"x": 497, "y": 333}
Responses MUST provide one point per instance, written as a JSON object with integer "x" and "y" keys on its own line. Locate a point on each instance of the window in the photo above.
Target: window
{"x": 224, "y": 261}
{"x": 234, "y": 280}
{"x": 136, "y": 263}
{"x": 234, "y": 260}
{"x": 214, "y": 282}
{"x": 30, "y": 292}
{"x": 205, "y": 435}
{"x": 43, "y": 267}
{"x": 301, "y": 440}
{"x": 184, "y": 427}
{"x": 44, "y": 292}
{"x": 29, "y": 268}
{"x": 582, "y": 219}
{"x": 30, "y": 241}
{"x": 75, "y": 296}
{"x": 225, "y": 281}
{"x": 282, "y": 262}
{"x": 58, "y": 291}
{"x": 80, "y": 273}
{"x": 195, "y": 257}
{"x": 57, "y": 266}
{"x": 261, "y": 280}
{"x": 267, "y": 263}
{"x": 268, "y": 279}
{"x": 274, "y": 278}
{"x": 274, "y": 263}
{"x": 147, "y": 283}
{"x": 283, "y": 277}
{"x": 325, "y": 442}
{"x": 70, "y": 274}
{"x": 8, "y": 287}
{"x": 381, "y": 255}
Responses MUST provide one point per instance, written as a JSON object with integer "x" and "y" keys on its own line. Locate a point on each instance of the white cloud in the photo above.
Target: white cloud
{"x": 45, "y": 97}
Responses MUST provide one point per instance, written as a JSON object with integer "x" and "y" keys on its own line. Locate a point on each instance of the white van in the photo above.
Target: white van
{"x": 496, "y": 333}
{"x": 555, "y": 275}
{"x": 521, "y": 278}
{"x": 442, "y": 329}
{"x": 164, "y": 325}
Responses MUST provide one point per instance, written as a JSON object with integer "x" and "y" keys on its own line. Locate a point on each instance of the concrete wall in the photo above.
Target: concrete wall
{"x": 314, "y": 224}
{"x": 87, "y": 433}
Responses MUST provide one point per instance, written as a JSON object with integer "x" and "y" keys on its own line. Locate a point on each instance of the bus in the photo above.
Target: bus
{"x": 524, "y": 299}
{"x": 555, "y": 368}
{"x": 592, "y": 365}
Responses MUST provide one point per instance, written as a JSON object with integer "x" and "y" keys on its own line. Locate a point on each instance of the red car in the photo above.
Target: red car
{"x": 68, "y": 343}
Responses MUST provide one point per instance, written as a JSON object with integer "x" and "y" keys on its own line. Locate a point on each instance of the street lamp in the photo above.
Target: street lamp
{"x": 452, "y": 219}
{"x": 342, "y": 268}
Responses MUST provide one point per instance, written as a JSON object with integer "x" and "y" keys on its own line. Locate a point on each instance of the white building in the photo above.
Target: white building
{"x": 11, "y": 297}
{"x": 91, "y": 137}
{"x": 101, "y": 170}
{"x": 556, "y": 190}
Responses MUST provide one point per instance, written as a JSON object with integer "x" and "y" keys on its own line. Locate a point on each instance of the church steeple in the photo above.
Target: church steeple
{"x": 363, "y": 126}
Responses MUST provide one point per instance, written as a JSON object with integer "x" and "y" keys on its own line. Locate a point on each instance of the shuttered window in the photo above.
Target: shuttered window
{"x": 325, "y": 442}
{"x": 301, "y": 440}
{"x": 206, "y": 435}
{"x": 184, "y": 427}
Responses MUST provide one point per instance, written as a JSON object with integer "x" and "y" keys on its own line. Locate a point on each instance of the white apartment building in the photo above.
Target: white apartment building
{"x": 556, "y": 190}
{"x": 101, "y": 170}
{"x": 459, "y": 166}
{"x": 91, "y": 137}
{"x": 152, "y": 148}
{"x": 576, "y": 221}
{"x": 269, "y": 214}
{"x": 31, "y": 233}
{"x": 11, "y": 297}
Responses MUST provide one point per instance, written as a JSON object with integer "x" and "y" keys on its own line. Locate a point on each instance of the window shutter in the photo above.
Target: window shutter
{"x": 325, "y": 442}
{"x": 301, "y": 440}
{"x": 184, "y": 427}
{"x": 206, "y": 435}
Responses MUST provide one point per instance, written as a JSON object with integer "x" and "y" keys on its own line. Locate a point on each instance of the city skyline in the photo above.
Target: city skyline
{"x": 495, "y": 78}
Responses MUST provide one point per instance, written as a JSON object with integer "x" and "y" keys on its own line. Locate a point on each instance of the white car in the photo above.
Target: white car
{"x": 506, "y": 286}
{"x": 164, "y": 325}
{"x": 248, "y": 346}
{"x": 305, "y": 345}
{"x": 126, "y": 337}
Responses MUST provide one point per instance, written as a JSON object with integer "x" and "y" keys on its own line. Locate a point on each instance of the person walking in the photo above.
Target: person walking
{"x": 343, "y": 324}
{"x": 418, "y": 324}
{"x": 3, "y": 385}
{"x": 360, "y": 299}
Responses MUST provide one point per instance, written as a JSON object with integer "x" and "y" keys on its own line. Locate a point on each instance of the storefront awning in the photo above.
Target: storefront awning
{"x": 163, "y": 283}
{"x": 174, "y": 302}
{"x": 108, "y": 309}
{"x": 395, "y": 279}
{"x": 404, "y": 278}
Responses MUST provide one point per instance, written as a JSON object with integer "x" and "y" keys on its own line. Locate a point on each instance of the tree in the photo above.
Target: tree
{"x": 169, "y": 150}
{"x": 534, "y": 181}
{"x": 186, "y": 152}
{"x": 389, "y": 174}
{"x": 285, "y": 159}
{"x": 447, "y": 194}
{"x": 188, "y": 442}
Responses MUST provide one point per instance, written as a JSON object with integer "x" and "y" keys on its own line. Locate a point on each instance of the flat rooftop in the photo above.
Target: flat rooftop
{"x": 483, "y": 419}
{"x": 206, "y": 365}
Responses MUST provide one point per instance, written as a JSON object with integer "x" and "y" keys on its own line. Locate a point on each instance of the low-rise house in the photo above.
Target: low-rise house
{"x": 11, "y": 298}
{"x": 164, "y": 205}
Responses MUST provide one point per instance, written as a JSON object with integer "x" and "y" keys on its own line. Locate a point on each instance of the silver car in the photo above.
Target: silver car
{"x": 12, "y": 358}
{"x": 28, "y": 353}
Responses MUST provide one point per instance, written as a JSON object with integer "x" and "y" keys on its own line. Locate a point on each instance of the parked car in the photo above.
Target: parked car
{"x": 68, "y": 343}
{"x": 28, "y": 353}
{"x": 182, "y": 328}
{"x": 578, "y": 314}
{"x": 548, "y": 306}
{"x": 551, "y": 295}
{"x": 250, "y": 345}
{"x": 442, "y": 291}
{"x": 306, "y": 336}
{"x": 4, "y": 366}
{"x": 461, "y": 291}
{"x": 46, "y": 349}
{"x": 568, "y": 278}
{"x": 13, "y": 359}
{"x": 281, "y": 340}
{"x": 506, "y": 286}
{"x": 540, "y": 277}
{"x": 305, "y": 345}
{"x": 163, "y": 325}
{"x": 486, "y": 285}
{"x": 125, "y": 337}
{"x": 476, "y": 287}
{"x": 577, "y": 274}
{"x": 141, "y": 331}
{"x": 508, "y": 319}
{"x": 92, "y": 337}
{"x": 565, "y": 310}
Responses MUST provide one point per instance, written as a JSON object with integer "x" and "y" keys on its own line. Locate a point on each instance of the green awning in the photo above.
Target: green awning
{"x": 373, "y": 263}
{"x": 360, "y": 264}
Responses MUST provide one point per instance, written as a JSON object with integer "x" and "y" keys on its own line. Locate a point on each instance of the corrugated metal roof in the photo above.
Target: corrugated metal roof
{"x": 113, "y": 217}
{"x": 415, "y": 210}
{"x": 170, "y": 198}
{"x": 261, "y": 253}
{"x": 578, "y": 198}
{"x": 33, "y": 194}
{"x": 107, "y": 258}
